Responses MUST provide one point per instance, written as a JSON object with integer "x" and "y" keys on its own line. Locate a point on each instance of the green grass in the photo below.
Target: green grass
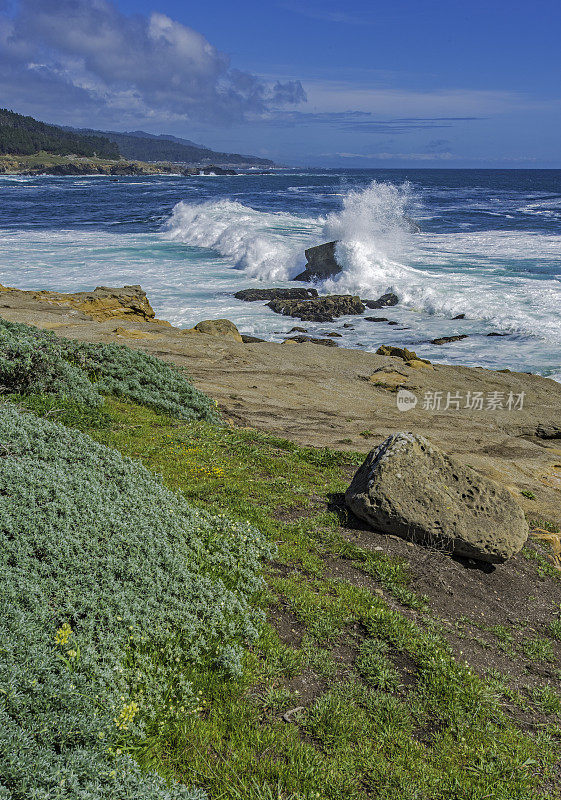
{"x": 389, "y": 712}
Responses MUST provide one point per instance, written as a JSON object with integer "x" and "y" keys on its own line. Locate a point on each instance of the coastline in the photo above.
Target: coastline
{"x": 334, "y": 397}
{"x": 49, "y": 164}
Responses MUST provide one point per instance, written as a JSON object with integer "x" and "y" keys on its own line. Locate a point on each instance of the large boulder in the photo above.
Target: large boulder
{"x": 321, "y": 263}
{"x": 409, "y": 487}
{"x": 223, "y": 328}
{"x": 319, "y": 309}
{"x": 253, "y": 295}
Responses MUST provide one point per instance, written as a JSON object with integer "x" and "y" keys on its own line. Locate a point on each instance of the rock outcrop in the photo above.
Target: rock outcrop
{"x": 409, "y": 487}
{"x": 320, "y": 309}
{"x": 321, "y": 263}
{"x": 254, "y": 295}
{"x": 103, "y": 303}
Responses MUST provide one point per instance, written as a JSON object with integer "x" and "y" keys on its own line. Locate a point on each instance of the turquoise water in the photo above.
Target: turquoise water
{"x": 489, "y": 248}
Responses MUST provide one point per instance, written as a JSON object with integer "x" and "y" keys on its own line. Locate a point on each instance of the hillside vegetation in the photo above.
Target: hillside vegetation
{"x": 21, "y": 135}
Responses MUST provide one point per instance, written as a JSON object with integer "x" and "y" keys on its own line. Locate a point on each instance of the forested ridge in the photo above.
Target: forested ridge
{"x": 20, "y": 135}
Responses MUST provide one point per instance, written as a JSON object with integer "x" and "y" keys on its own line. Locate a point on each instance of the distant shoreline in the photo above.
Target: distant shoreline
{"x": 49, "y": 164}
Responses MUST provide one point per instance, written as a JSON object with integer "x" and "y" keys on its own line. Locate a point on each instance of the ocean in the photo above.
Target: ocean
{"x": 489, "y": 247}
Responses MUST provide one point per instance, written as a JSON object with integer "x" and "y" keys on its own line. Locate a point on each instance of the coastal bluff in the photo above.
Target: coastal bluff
{"x": 334, "y": 396}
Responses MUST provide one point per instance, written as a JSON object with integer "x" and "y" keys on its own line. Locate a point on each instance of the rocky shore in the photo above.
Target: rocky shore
{"x": 504, "y": 424}
{"x": 47, "y": 164}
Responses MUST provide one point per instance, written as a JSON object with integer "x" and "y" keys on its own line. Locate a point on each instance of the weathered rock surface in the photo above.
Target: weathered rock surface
{"x": 103, "y": 303}
{"x": 321, "y": 262}
{"x": 320, "y": 309}
{"x": 223, "y": 328}
{"x": 376, "y": 319}
{"x": 411, "y": 488}
{"x": 254, "y": 295}
{"x": 448, "y": 339}
{"x": 389, "y": 299}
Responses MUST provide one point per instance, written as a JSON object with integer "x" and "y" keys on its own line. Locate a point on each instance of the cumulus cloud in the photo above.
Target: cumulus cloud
{"x": 131, "y": 65}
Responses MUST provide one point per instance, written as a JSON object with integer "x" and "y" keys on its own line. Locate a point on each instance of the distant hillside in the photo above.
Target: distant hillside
{"x": 21, "y": 135}
{"x": 148, "y": 147}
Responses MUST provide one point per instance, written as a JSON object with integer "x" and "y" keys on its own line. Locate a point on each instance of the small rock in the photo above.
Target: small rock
{"x": 296, "y": 329}
{"x": 376, "y": 319}
{"x": 302, "y": 339}
{"x": 217, "y": 327}
{"x": 399, "y": 352}
{"x": 392, "y": 322}
{"x": 460, "y": 316}
{"x": 497, "y": 334}
{"x": 409, "y": 487}
{"x": 335, "y": 335}
{"x": 348, "y": 325}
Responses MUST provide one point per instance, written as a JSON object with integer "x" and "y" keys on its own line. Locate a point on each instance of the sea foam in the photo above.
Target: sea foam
{"x": 482, "y": 275}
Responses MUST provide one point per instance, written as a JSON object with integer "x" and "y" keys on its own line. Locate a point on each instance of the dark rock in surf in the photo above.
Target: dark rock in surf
{"x": 448, "y": 339}
{"x": 320, "y": 309}
{"x": 376, "y": 319}
{"x": 321, "y": 263}
{"x": 388, "y": 299}
{"x": 255, "y": 295}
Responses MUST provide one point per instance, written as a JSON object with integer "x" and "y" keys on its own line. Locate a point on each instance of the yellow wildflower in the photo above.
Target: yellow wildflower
{"x": 63, "y": 634}
{"x": 126, "y": 715}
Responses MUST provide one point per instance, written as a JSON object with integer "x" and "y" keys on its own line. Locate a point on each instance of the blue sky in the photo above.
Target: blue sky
{"x": 423, "y": 83}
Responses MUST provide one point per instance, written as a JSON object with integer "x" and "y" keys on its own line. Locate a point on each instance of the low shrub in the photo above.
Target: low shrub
{"x": 116, "y": 598}
{"x": 35, "y": 361}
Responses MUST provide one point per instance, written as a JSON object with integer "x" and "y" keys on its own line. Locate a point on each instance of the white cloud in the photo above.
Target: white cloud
{"x": 135, "y": 63}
